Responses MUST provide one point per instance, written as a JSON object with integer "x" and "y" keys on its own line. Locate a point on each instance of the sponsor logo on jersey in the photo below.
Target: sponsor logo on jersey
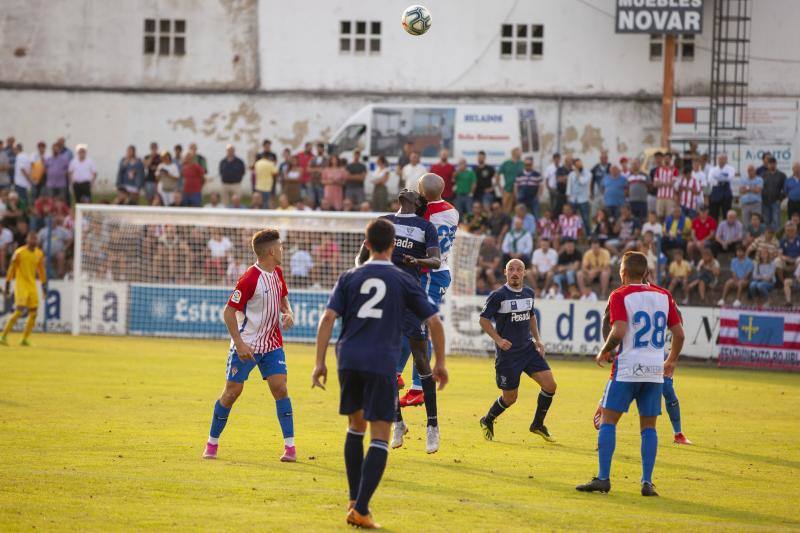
{"x": 520, "y": 317}
{"x": 645, "y": 370}
{"x": 236, "y": 297}
{"x": 404, "y": 243}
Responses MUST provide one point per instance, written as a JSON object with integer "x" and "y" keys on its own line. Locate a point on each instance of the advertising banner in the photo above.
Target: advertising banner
{"x": 659, "y": 16}
{"x": 754, "y": 338}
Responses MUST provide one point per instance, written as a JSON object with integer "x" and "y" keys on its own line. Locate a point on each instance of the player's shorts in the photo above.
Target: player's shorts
{"x": 435, "y": 285}
{"x": 509, "y": 369}
{"x": 269, "y": 364}
{"x": 376, "y": 394}
{"x": 413, "y": 327}
{"x": 619, "y": 395}
{"x": 25, "y": 297}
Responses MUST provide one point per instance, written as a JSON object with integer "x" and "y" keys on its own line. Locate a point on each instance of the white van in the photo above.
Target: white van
{"x": 383, "y": 129}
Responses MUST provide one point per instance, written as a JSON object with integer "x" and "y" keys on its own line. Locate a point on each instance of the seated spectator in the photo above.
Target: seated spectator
{"x": 255, "y": 200}
{"x": 570, "y": 225}
{"x": 653, "y": 226}
{"x": 763, "y": 276}
{"x": 236, "y": 269}
{"x": 499, "y": 221}
{"x": 517, "y": 244}
{"x": 482, "y": 287}
{"x": 547, "y": 228}
{"x": 543, "y": 263}
{"x": 306, "y": 204}
{"x": 283, "y": 203}
{"x": 215, "y": 265}
{"x": 626, "y": 229}
{"x": 677, "y": 230}
{"x": 490, "y": 266}
{"x": 168, "y": 176}
{"x": 754, "y": 229}
{"x": 528, "y": 220}
{"x": 603, "y": 227}
{"x": 14, "y": 210}
{"x": 7, "y": 245}
{"x": 703, "y": 229}
{"x": 300, "y": 266}
{"x": 325, "y": 205}
{"x": 614, "y": 185}
{"x": 347, "y": 205}
{"x": 477, "y": 221}
{"x": 705, "y": 275}
{"x": 214, "y": 201}
{"x": 596, "y": 264}
{"x": 742, "y": 269}
{"x": 236, "y": 201}
{"x": 766, "y": 240}
{"x": 569, "y": 261}
{"x": 647, "y": 246}
{"x": 789, "y": 259}
{"x": 365, "y": 207}
{"x": 587, "y": 294}
{"x": 791, "y": 189}
{"x": 729, "y": 234}
{"x": 679, "y": 270}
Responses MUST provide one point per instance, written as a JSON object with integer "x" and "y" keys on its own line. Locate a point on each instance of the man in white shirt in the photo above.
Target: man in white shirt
{"x": 517, "y": 243}
{"x": 543, "y": 261}
{"x": 22, "y": 173}
{"x": 82, "y": 174}
{"x": 720, "y": 179}
{"x": 413, "y": 171}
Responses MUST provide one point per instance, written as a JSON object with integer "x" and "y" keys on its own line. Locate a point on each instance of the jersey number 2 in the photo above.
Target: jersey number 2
{"x": 368, "y": 309}
{"x": 658, "y": 324}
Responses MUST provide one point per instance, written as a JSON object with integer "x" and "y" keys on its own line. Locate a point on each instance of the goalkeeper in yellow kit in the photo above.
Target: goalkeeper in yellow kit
{"x": 26, "y": 263}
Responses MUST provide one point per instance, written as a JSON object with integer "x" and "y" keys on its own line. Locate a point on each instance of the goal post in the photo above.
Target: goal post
{"x": 167, "y": 272}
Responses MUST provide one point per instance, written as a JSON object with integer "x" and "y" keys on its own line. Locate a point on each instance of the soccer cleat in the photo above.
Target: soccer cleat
{"x": 432, "y": 444}
{"x": 25, "y": 342}
{"x": 412, "y": 398}
{"x": 488, "y": 428}
{"x": 289, "y": 454}
{"x": 598, "y": 415}
{"x": 400, "y": 383}
{"x": 4, "y": 340}
{"x": 542, "y": 432}
{"x": 399, "y": 431}
{"x": 356, "y": 519}
{"x": 680, "y": 438}
{"x": 648, "y": 489}
{"x": 211, "y": 451}
{"x": 595, "y": 485}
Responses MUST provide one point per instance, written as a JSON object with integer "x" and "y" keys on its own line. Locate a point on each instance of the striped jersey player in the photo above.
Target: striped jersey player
{"x": 257, "y": 309}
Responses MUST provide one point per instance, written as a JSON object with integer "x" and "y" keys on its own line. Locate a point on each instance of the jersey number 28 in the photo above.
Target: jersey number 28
{"x": 658, "y": 325}
{"x": 368, "y": 309}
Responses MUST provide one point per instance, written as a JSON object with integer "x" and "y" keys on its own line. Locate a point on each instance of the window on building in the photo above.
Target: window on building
{"x": 684, "y": 47}
{"x": 360, "y": 36}
{"x": 521, "y": 41}
{"x": 165, "y": 37}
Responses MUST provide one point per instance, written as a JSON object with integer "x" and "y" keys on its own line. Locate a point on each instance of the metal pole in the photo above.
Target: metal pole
{"x": 76, "y": 270}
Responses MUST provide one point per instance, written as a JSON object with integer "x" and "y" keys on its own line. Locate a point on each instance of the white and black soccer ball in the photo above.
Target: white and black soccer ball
{"x": 416, "y": 20}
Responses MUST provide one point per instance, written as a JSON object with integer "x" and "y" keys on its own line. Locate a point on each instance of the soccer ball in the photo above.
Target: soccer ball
{"x": 416, "y": 20}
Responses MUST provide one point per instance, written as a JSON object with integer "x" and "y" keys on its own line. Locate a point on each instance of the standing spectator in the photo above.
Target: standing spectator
{"x": 750, "y": 193}
{"x": 177, "y": 156}
{"x": 507, "y": 176}
{"x": 266, "y": 152}
{"x": 528, "y": 187}
{"x": 550, "y": 174}
{"x": 562, "y": 177}
{"x": 596, "y": 264}
{"x": 82, "y": 174}
{"x": 528, "y": 220}
{"x": 377, "y": 182}
{"x": 792, "y": 190}
{"x": 614, "y": 186}
{"x": 198, "y": 158}
{"x": 742, "y": 269}
{"x": 499, "y": 221}
{"x": 772, "y": 194}
{"x": 679, "y": 271}
{"x": 333, "y": 180}
{"x": 570, "y": 225}
{"x": 465, "y": 185}
{"x": 354, "y": 182}
{"x": 517, "y": 244}
{"x": 301, "y": 265}
{"x": 412, "y": 171}
{"x": 569, "y": 263}
{"x": 193, "y": 181}
{"x": 151, "y": 162}
{"x": 130, "y": 177}
{"x": 318, "y": 164}
{"x": 764, "y": 163}
{"x": 38, "y": 173}
{"x": 6, "y": 245}
{"x": 789, "y": 259}
{"x": 219, "y": 247}
{"x": 302, "y": 163}
{"x": 22, "y": 173}
{"x": 700, "y": 175}
{"x": 652, "y": 191}
{"x": 167, "y": 176}
{"x": 231, "y": 173}
{"x": 599, "y": 172}
{"x": 704, "y": 229}
{"x": 266, "y": 173}
{"x": 484, "y": 187}
{"x": 688, "y": 189}
{"x": 763, "y": 277}
{"x": 405, "y": 157}
{"x": 57, "y": 166}
{"x": 730, "y": 234}
{"x": 624, "y": 171}
{"x": 637, "y": 191}
{"x": 5, "y": 169}
{"x": 705, "y": 276}
{"x": 11, "y": 152}
{"x": 664, "y": 183}
{"x": 543, "y": 262}
{"x": 446, "y": 171}
{"x": 290, "y": 177}
{"x": 579, "y": 191}
{"x": 720, "y": 179}
{"x": 677, "y": 230}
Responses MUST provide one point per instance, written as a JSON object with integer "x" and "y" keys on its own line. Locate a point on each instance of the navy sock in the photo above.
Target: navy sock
{"x": 371, "y": 473}
{"x": 353, "y": 460}
{"x": 673, "y": 407}
{"x": 218, "y": 420}
{"x": 606, "y": 442}
{"x": 497, "y": 409}
{"x": 649, "y": 448}
{"x": 542, "y": 405}
{"x": 429, "y": 388}
{"x": 286, "y": 420}
{"x": 398, "y": 414}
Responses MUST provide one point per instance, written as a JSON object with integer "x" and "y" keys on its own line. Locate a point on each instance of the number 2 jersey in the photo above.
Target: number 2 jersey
{"x": 257, "y": 300}
{"x": 371, "y": 299}
{"x": 649, "y": 311}
{"x": 413, "y": 235}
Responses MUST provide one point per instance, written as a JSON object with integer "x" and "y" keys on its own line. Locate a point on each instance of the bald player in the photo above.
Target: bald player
{"x": 508, "y": 318}
{"x": 435, "y": 281}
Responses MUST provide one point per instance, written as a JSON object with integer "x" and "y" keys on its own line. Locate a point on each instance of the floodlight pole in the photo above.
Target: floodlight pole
{"x": 669, "y": 85}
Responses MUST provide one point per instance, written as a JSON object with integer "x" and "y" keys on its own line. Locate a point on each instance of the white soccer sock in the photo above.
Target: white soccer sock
{"x": 416, "y": 387}
{"x": 212, "y": 440}
{"x": 288, "y": 441}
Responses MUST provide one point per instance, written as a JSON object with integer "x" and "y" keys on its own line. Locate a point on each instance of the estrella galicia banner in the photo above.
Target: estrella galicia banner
{"x": 684, "y": 17}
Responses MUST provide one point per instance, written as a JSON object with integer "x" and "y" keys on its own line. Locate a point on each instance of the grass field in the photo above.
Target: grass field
{"x": 100, "y": 433}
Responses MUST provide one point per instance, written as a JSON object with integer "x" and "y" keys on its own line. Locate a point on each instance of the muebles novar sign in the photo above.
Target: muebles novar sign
{"x": 659, "y": 16}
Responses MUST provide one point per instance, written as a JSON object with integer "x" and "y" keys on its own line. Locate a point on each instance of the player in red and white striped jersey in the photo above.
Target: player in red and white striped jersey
{"x": 256, "y": 311}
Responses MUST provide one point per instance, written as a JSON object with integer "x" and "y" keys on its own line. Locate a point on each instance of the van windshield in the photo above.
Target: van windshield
{"x": 349, "y": 139}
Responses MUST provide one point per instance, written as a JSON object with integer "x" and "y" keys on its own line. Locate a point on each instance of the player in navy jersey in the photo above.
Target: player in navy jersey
{"x": 416, "y": 246}
{"x": 519, "y": 348}
{"x": 372, "y": 300}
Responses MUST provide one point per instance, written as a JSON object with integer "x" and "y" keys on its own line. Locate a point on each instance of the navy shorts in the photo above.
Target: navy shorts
{"x": 509, "y": 369}
{"x": 619, "y": 395}
{"x": 413, "y": 327}
{"x": 376, "y": 394}
{"x": 269, "y": 364}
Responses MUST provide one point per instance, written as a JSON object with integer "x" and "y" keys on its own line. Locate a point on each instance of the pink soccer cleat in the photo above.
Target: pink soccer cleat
{"x": 289, "y": 454}
{"x": 680, "y": 438}
{"x": 211, "y": 451}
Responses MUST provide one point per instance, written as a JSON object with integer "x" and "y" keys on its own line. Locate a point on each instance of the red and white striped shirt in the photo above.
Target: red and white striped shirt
{"x": 570, "y": 226}
{"x": 257, "y": 300}
{"x": 688, "y": 189}
{"x": 546, "y": 228}
{"x": 663, "y": 180}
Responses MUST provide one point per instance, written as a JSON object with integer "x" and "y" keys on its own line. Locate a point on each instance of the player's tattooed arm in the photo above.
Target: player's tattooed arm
{"x": 363, "y": 255}
{"x": 614, "y": 339}
{"x": 434, "y": 259}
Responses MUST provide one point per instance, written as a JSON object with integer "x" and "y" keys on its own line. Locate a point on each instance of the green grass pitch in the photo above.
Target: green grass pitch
{"x": 102, "y": 433}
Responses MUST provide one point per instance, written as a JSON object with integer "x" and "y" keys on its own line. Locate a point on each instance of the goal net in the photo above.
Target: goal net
{"x": 169, "y": 271}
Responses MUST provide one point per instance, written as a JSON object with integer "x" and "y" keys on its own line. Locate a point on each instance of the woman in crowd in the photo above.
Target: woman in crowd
{"x": 333, "y": 180}
{"x": 167, "y": 177}
{"x": 378, "y": 178}
{"x": 763, "y": 277}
